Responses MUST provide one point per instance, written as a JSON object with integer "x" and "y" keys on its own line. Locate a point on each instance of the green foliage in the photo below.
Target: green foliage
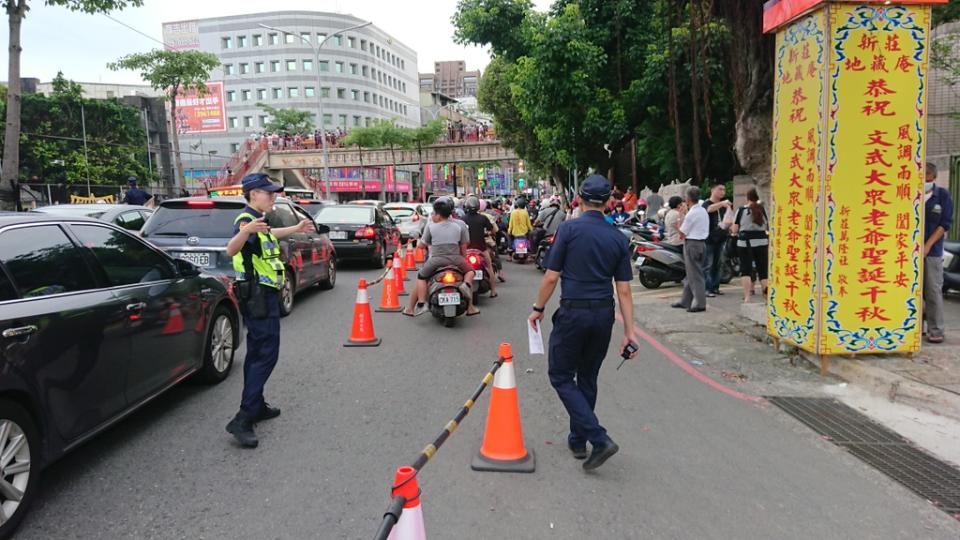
{"x": 51, "y": 131}
{"x": 170, "y": 70}
{"x": 363, "y": 137}
{"x": 428, "y": 134}
{"x": 392, "y": 136}
{"x": 89, "y": 6}
{"x": 944, "y": 13}
{"x": 288, "y": 120}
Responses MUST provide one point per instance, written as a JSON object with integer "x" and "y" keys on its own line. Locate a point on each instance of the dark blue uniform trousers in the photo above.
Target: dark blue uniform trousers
{"x": 578, "y": 345}
{"x": 263, "y": 350}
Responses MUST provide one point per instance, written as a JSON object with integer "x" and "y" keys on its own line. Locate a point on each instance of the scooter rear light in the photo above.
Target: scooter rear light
{"x": 448, "y": 278}
{"x": 472, "y": 259}
{"x": 643, "y": 247}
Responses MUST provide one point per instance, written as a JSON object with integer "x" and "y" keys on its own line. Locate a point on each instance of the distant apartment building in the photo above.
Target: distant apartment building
{"x": 451, "y": 78}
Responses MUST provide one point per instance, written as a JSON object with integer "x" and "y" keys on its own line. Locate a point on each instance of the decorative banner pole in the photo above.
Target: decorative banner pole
{"x": 848, "y": 164}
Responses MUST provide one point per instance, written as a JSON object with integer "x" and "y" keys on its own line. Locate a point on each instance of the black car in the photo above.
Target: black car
{"x": 313, "y": 206}
{"x": 128, "y": 216}
{"x": 361, "y": 232}
{"x": 198, "y": 229}
{"x": 94, "y": 323}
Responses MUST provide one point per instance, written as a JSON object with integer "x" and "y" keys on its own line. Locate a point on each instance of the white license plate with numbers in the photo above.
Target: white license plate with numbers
{"x": 449, "y": 299}
{"x": 521, "y": 251}
{"x": 338, "y": 235}
{"x": 478, "y": 274}
{"x": 201, "y": 259}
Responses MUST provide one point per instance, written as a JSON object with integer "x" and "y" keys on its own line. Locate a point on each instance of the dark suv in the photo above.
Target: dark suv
{"x": 94, "y": 323}
{"x": 198, "y": 229}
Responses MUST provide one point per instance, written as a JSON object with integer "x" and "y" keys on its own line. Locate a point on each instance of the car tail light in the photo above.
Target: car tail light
{"x": 472, "y": 259}
{"x": 448, "y": 278}
{"x": 200, "y": 204}
{"x": 366, "y": 232}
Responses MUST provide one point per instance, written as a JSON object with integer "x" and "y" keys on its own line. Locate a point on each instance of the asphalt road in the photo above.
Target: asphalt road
{"x": 694, "y": 462}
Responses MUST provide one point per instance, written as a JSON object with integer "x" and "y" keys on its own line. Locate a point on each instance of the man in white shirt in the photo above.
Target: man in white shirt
{"x": 694, "y": 232}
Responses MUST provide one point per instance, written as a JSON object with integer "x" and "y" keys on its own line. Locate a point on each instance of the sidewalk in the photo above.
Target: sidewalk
{"x": 918, "y": 397}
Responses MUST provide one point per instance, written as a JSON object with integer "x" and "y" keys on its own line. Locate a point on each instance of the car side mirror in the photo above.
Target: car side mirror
{"x": 322, "y": 229}
{"x": 186, "y": 268}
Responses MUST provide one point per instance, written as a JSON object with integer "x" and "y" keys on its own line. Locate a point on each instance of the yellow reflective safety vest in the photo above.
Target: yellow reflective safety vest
{"x": 267, "y": 265}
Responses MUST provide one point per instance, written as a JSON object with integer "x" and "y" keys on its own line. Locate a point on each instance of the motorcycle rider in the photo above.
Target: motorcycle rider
{"x": 447, "y": 241}
{"x": 519, "y": 221}
{"x": 478, "y": 226}
{"x": 548, "y": 221}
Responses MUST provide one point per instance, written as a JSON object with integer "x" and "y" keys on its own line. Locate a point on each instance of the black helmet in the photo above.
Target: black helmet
{"x": 496, "y": 203}
{"x": 443, "y": 206}
{"x": 471, "y": 204}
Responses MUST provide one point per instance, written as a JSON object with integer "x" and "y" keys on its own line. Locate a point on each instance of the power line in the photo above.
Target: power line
{"x": 144, "y": 34}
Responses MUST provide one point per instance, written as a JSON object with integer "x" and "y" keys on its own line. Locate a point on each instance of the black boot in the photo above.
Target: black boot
{"x": 267, "y": 412}
{"x": 600, "y": 454}
{"x": 241, "y": 428}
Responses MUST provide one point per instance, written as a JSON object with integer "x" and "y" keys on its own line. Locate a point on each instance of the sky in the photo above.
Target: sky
{"x": 55, "y": 39}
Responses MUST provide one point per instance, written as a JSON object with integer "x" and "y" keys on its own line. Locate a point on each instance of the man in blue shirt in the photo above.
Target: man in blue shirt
{"x": 938, "y": 216}
{"x": 587, "y": 254}
{"x": 134, "y": 194}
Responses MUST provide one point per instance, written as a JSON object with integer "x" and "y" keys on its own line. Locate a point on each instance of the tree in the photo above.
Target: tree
{"x": 288, "y": 120}
{"x": 363, "y": 137}
{"x": 393, "y": 137}
{"x": 175, "y": 73}
{"x": 425, "y": 136}
{"x": 16, "y": 11}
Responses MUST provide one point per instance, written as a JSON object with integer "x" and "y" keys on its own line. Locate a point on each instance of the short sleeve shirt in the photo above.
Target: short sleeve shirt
{"x": 590, "y": 254}
{"x": 445, "y": 237}
{"x": 253, "y": 241}
{"x": 477, "y": 226}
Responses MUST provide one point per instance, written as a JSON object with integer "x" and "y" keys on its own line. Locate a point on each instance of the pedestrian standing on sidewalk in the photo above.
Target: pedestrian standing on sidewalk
{"x": 588, "y": 254}
{"x": 694, "y": 232}
{"x": 750, "y": 228}
{"x": 717, "y": 207}
{"x": 672, "y": 221}
{"x": 937, "y": 220}
{"x": 654, "y": 204}
{"x": 259, "y": 272}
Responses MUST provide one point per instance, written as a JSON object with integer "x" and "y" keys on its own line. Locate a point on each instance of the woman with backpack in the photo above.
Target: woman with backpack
{"x": 750, "y": 227}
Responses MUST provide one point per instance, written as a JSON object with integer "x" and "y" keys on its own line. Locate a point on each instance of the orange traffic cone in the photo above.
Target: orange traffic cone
{"x": 410, "y": 524}
{"x": 408, "y": 262}
{"x": 361, "y": 335}
{"x": 503, "y": 448}
{"x": 389, "y": 300}
{"x": 174, "y": 323}
{"x": 398, "y": 276}
{"x": 420, "y": 254}
{"x": 398, "y": 268}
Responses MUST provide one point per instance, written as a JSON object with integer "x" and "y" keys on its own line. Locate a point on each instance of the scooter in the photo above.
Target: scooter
{"x": 503, "y": 245}
{"x": 542, "y": 250}
{"x": 951, "y": 267}
{"x": 481, "y": 278}
{"x": 521, "y": 249}
{"x": 445, "y": 295}
{"x": 657, "y": 263}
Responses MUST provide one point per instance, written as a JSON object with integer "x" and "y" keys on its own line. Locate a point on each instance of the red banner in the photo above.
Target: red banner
{"x": 373, "y": 186}
{"x": 204, "y": 113}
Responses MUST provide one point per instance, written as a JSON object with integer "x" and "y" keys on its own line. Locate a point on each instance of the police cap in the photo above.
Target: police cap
{"x": 595, "y": 189}
{"x": 259, "y": 181}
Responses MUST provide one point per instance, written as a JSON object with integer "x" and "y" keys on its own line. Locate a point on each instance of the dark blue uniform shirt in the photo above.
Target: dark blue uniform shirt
{"x": 589, "y": 253}
{"x": 939, "y": 213}
{"x": 137, "y": 196}
{"x": 253, "y": 240}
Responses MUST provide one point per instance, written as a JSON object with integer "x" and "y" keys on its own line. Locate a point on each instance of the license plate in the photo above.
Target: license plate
{"x": 521, "y": 251}
{"x": 200, "y": 259}
{"x": 478, "y": 274}
{"x": 640, "y": 260}
{"x": 449, "y": 299}
{"x": 338, "y": 235}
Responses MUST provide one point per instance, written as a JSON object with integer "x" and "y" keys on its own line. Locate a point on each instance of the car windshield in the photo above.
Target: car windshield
{"x": 214, "y": 222}
{"x": 346, "y": 215}
{"x": 71, "y": 211}
{"x": 400, "y": 214}
{"x": 312, "y": 208}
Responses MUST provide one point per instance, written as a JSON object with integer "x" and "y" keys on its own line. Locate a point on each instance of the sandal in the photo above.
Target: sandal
{"x": 494, "y": 295}
{"x": 472, "y": 314}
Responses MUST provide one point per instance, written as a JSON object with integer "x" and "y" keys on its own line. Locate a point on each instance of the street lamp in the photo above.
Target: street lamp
{"x": 319, "y": 91}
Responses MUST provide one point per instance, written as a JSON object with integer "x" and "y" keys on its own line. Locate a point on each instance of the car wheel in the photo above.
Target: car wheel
{"x": 286, "y": 294}
{"x": 20, "y": 465}
{"x": 221, "y": 346}
{"x": 380, "y": 260}
{"x": 327, "y": 284}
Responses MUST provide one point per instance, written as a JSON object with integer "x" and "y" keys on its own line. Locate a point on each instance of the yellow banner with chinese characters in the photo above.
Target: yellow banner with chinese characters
{"x": 800, "y": 72}
{"x": 876, "y": 125}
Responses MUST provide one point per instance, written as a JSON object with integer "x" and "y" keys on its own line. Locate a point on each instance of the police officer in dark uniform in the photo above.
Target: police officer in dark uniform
{"x": 255, "y": 249}
{"x": 587, "y": 254}
{"x": 134, "y": 194}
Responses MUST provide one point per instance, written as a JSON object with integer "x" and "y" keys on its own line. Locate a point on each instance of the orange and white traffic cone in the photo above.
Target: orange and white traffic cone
{"x": 420, "y": 254}
{"x": 398, "y": 268}
{"x": 503, "y": 448}
{"x": 174, "y": 324}
{"x": 410, "y": 524}
{"x": 389, "y": 301}
{"x": 408, "y": 262}
{"x": 398, "y": 276}
{"x": 362, "y": 335}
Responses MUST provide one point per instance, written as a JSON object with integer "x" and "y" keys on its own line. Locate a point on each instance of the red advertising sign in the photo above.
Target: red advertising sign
{"x": 373, "y": 186}
{"x": 204, "y": 113}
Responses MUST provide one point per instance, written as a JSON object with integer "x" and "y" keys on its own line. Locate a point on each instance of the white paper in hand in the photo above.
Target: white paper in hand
{"x": 536, "y": 338}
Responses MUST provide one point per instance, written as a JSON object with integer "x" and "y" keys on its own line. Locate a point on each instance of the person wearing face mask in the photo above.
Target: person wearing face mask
{"x": 938, "y": 216}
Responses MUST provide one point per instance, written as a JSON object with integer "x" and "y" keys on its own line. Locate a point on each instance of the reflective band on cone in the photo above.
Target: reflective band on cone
{"x": 362, "y": 335}
{"x": 408, "y": 262}
{"x": 410, "y": 525}
{"x": 398, "y": 266}
{"x": 420, "y": 254}
{"x": 389, "y": 301}
{"x": 503, "y": 448}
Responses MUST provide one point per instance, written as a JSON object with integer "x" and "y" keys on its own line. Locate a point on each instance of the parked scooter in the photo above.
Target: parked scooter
{"x": 658, "y": 263}
{"x": 481, "y": 278}
{"x": 521, "y": 249}
{"x": 543, "y": 249}
{"x": 951, "y": 267}
{"x": 446, "y": 296}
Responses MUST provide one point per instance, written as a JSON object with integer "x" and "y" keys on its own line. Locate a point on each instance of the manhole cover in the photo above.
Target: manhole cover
{"x": 881, "y": 448}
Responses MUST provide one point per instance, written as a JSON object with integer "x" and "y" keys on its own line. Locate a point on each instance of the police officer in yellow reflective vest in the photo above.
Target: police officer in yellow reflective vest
{"x": 255, "y": 249}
